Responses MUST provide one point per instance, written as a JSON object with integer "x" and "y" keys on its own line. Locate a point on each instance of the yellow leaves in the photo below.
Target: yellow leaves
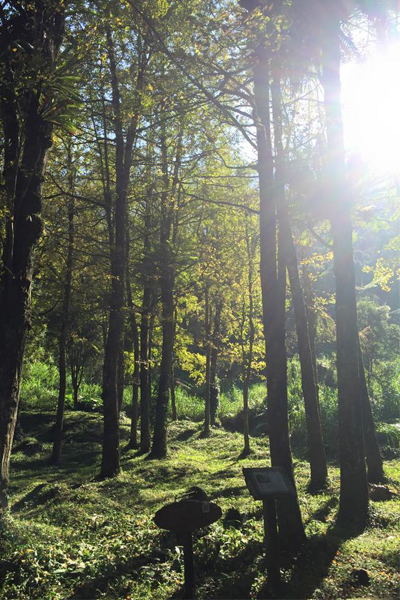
{"x": 383, "y": 273}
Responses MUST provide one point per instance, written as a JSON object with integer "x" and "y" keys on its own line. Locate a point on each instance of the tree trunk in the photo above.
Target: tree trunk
{"x": 167, "y": 282}
{"x": 144, "y": 373}
{"x": 290, "y": 523}
{"x": 62, "y": 367}
{"x": 310, "y": 314}
{"x": 207, "y": 330}
{"x": 132, "y": 339}
{"x": 133, "y": 441}
{"x": 371, "y": 446}
{"x": 174, "y": 413}
{"x": 248, "y": 356}
{"x": 316, "y": 448}
{"x": 121, "y": 373}
{"x": 159, "y": 447}
{"x": 110, "y": 465}
{"x": 354, "y": 490}
{"x": 23, "y": 186}
{"x": 214, "y": 388}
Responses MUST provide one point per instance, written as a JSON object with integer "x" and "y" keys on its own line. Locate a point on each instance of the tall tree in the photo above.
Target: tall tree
{"x": 31, "y": 35}
{"x": 353, "y": 478}
{"x": 316, "y": 448}
{"x": 167, "y": 283}
{"x": 62, "y": 344}
{"x": 124, "y": 147}
{"x": 290, "y": 522}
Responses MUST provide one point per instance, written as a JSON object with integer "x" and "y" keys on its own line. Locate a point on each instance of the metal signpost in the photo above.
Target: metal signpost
{"x": 184, "y": 517}
{"x": 268, "y": 484}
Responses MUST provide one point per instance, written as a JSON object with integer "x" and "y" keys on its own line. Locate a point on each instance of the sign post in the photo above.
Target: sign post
{"x": 268, "y": 484}
{"x": 184, "y": 517}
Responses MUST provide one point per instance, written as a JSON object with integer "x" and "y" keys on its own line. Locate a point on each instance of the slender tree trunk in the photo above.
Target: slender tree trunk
{"x": 110, "y": 464}
{"x": 152, "y": 366}
{"x": 248, "y": 357}
{"x": 290, "y": 522}
{"x": 310, "y": 315}
{"x": 371, "y": 446}
{"x": 133, "y": 343}
{"x": 62, "y": 367}
{"x": 353, "y": 491}
{"x": 316, "y": 448}
{"x": 167, "y": 282}
{"x": 121, "y": 373}
{"x": 23, "y": 176}
{"x": 133, "y": 441}
{"x": 159, "y": 447}
{"x": 144, "y": 339}
{"x": 214, "y": 388}
{"x": 207, "y": 329}
{"x": 75, "y": 393}
{"x": 144, "y": 373}
{"x": 174, "y": 413}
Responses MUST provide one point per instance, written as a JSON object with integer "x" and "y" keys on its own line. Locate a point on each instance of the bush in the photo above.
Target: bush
{"x": 39, "y": 388}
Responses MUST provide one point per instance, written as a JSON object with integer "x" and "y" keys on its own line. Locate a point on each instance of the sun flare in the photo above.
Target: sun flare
{"x": 371, "y": 110}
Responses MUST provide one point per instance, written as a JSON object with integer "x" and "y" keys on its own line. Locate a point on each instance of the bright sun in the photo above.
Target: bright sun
{"x": 371, "y": 110}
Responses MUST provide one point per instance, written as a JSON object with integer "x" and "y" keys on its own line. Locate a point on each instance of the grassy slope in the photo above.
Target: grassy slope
{"x": 70, "y": 536}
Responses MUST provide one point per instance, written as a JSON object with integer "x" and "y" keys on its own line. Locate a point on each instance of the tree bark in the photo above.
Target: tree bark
{"x": 353, "y": 491}
{"x": 290, "y": 522}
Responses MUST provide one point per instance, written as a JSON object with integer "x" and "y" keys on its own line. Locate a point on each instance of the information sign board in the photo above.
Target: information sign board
{"x": 268, "y": 482}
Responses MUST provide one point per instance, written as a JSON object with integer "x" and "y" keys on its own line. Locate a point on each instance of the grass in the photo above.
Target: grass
{"x": 69, "y": 535}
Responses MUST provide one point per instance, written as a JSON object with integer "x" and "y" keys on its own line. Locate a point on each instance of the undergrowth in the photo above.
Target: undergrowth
{"x": 69, "y": 535}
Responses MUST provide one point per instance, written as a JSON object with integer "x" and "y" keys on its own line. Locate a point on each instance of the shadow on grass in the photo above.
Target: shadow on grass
{"x": 311, "y": 564}
{"x": 235, "y": 491}
{"x": 186, "y": 435}
{"x": 94, "y": 586}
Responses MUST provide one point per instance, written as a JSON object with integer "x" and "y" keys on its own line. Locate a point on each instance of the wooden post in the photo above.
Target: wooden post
{"x": 271, "y": 544}
{"x": 188, "y": 564}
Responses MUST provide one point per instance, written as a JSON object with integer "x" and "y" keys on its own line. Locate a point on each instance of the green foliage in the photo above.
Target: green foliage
{"x": 297, "y": 417}
{"x": 39, "y": 384}
{"x": 190, "y": 406}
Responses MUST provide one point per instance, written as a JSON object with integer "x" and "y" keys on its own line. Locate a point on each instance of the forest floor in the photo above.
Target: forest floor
{"x": 69, "y": 535}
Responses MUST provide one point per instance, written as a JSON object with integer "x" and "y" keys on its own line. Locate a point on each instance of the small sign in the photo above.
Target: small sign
{"x": 268, "y": 482}
{"x": 186, "y": 516}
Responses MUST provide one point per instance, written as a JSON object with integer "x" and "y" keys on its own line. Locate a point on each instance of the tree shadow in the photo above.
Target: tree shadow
{"x": 185, "y": 435}
{"x": 92, "y": 587}
{"x": 312, "y": 562}
{"x": 234, "y": 490}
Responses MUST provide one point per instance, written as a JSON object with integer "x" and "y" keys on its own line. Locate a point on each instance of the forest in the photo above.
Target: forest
{"x": 199, "y": 282}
